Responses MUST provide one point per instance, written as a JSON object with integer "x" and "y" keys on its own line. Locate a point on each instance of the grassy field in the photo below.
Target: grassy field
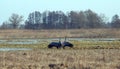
{"x": 61, "y": 59}
{"x": 81, "y": 33}
{"x": 86, "y": 54}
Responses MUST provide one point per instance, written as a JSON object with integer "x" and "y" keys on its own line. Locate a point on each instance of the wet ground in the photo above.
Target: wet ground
{"x": 35, "y": 41}
{"x": 38, "y": 41}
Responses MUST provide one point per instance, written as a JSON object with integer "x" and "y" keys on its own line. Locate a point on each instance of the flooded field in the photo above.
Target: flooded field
{"x": 79, "y": 43}
{"x": 35, "y": 41}
{"x": 98, "y": 53}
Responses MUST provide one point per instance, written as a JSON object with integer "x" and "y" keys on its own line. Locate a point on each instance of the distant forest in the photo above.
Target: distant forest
{"x": 60, "y": 20}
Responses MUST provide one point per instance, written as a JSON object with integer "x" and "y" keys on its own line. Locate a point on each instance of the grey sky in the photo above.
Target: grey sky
{"x": 24, "y": 7}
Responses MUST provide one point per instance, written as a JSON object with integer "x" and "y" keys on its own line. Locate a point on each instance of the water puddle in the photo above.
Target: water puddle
{"x": 14, "y": 49}
{"x": 35, "y": 41}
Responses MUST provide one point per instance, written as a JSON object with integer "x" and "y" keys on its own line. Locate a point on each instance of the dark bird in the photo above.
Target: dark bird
{"x": 60, "y": 45}
{"x": 55, "y": 44}
{"x": 67, "y": 44}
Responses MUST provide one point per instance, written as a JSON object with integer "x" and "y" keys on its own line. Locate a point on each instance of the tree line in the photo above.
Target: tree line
{"x": 60, "y": 20}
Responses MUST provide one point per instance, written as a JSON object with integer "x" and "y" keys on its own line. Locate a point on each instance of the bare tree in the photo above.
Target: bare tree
{"x": 4, "y": 25}
{"x": 15, "y": 20}
{"x": 115, "y": 21}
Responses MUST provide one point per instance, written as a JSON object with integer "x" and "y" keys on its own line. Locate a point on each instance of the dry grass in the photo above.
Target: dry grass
{"x": 83, "y": 33}
{"x": 83, "y": 56}
{"x": 61, "y": 59}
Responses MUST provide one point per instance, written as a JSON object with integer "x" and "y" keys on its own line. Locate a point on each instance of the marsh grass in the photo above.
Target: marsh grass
{"x": 84, "y": 55}
{"x": 77, "y": 45}
{"x": 70, "y": 59}
{"x": 96, "y": 44}
{"x": 81, "y": 33}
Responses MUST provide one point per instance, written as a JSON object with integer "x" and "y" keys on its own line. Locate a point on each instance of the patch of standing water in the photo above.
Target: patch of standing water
{"x": 43, "y": 40}
{"x": 15, "y": 42}
{"x": 14, "y": 49}
{"x": 24, "y": 41}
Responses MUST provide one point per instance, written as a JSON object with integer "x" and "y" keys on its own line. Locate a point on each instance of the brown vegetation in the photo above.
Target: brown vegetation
{"x": 85, "y": 55}
{"x": 61, "y": 59}
{"x": 83, "y": 33}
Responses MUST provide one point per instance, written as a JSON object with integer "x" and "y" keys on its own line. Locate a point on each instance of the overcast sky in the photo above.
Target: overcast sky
{"x": 24, "y": 7}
